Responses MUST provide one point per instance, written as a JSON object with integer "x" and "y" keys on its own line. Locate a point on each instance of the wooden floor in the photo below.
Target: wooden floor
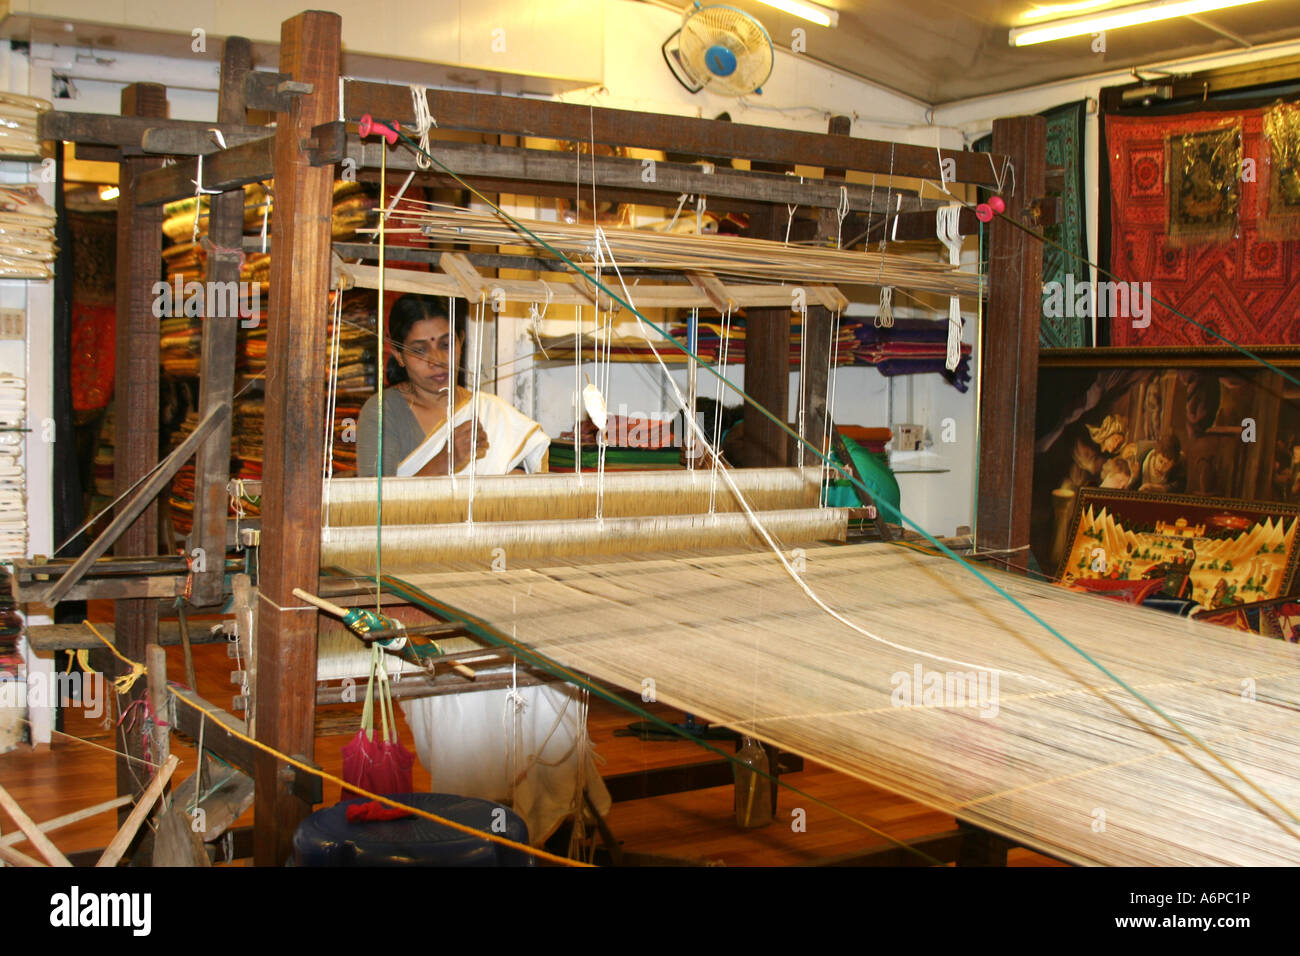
{"x": 698, "y": 827}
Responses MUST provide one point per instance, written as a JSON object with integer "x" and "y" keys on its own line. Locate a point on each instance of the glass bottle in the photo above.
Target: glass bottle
{"x": 753, "y": 785}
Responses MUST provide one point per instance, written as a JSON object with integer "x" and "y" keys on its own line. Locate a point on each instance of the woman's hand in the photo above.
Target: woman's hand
{"x": 462, "y": 439}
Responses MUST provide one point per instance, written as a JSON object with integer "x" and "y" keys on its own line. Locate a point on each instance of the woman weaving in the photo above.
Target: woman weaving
{"x": 415, "y": 408}
{"x": 526, "y": 747}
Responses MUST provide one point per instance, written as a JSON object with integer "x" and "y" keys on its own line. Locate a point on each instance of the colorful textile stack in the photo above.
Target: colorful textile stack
{"x": 911, "y": 347}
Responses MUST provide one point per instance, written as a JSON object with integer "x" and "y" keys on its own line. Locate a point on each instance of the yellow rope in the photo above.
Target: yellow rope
{"x": 124, "y": 683}
{"x": 138, "y": 669}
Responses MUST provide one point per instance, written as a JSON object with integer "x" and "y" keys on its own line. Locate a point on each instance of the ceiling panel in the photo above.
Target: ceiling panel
{"x": 939, "y": 51}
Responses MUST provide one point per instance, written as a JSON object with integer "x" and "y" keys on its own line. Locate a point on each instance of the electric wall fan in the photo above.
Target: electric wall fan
{"x": 721, "y": 49}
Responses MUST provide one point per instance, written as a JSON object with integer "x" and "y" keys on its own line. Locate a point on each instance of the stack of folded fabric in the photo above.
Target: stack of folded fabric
{"x": 26, "y": 233}
{"x": 910, "y": 347}
{"x": 13, "y": 486}
{"x": 18, "y": 116}
{"x": 180, "y": 343}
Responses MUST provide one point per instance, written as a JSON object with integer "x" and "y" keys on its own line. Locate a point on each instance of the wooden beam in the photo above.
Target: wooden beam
{"x": 128, "y": 130}
{"x": 285, "y": 699}
{"x": 219, "y": 350}
{"x": 141, "y": 501}
{"x": 489, "y": 113}
{"x": 515, "y": 169}
{"x": 227, "y": 170}
{"x": 61, "y": 637}
{"x": 135, "y": 400}
{"x": 1009, "y": 352}
{"x": 217, "y": 737}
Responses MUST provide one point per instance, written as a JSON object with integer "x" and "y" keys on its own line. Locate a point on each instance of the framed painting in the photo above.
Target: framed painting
{"x": 1215, "y": 552}
{"x": 1221, "y": 431}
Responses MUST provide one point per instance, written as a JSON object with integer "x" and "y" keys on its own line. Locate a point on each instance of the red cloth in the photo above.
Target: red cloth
{"x": 94, "y": 355}
{"x": 373, "y": 810}
{"x": 1246, "y": 289}
{"x": 377, "y": 765}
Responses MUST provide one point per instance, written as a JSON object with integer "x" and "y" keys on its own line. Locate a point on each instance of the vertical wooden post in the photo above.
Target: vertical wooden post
{"x": 285, "y": 698}
{"x": 139, "y": 266}
{"x": 816, "y": 361}
{"x": 156, "y": 662}
{"x": 1009, "y": 361}
{"x": 767, "y": 365}
{"x": 220, "y": 345}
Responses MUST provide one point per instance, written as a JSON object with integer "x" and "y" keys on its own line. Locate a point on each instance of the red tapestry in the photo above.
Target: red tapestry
{"x": 94, "y": 354}
{"x": 1246, "y": 288}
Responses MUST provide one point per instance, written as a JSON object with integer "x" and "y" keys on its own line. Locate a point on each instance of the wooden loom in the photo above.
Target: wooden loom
{"x": 300, "y": 155}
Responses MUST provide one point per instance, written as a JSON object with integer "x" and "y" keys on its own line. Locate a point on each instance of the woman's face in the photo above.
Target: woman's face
{"x": 426, "y": 354}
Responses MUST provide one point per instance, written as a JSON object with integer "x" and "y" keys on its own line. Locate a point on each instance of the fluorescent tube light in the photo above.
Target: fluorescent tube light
{"x": 822, "y": 16}
{"x": 1128, "y": 16}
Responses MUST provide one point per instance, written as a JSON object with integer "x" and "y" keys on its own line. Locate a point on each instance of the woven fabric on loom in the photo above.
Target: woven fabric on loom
{"x": 1040, "y": 741}
{"x": 1246, "y": 288}
{"x": 1065, "y": 138}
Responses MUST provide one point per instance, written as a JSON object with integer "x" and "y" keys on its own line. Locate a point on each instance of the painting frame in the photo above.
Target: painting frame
{"x": 1188, "y": 541}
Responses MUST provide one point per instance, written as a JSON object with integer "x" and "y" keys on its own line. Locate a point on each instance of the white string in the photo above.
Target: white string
{"x": 1001, "y": 177}
{"x": 828, "y": 409}
{"x": 266, "y": 214}
{"x": 577, "y": 392}
{"x": 451, "y": 388}
{"x": 841, "y": 211}
{"x": 885, "y": 314}
{"x": 766, "y": 535}
{"x": 331, "y": 403}
{"x": 948, "y": 229}
{"x": 681, "y": 201}
{"x": 692, "y": 386}
{"x": 473, "y": 414}
{"x": 342, "y": 117}
{"x": 803, "y": 374}
{"x": 723, "y": 349}
{"x": 423, "y": 122}
{"x": 789, "y": 221}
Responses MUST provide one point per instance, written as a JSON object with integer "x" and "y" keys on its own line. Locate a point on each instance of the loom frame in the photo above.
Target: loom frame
{"x": 301, "y": 155}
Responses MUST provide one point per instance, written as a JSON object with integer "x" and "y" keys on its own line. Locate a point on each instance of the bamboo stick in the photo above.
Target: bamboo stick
{"x": 58, "y": 823}
{"x": 113, "y": 852}
{"x": 25, "y": 823}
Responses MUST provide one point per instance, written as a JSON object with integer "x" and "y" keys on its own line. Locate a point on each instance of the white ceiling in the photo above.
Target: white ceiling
{"x": 939, "y": 51}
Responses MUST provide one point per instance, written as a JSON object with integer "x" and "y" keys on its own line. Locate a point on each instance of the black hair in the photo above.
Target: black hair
{"x": 408, "y": 310}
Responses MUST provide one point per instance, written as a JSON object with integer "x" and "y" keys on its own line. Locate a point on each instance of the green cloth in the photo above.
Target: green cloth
{"x": 876, "y": 475}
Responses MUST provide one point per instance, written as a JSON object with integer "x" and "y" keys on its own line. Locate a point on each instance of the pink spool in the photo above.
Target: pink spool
{"x": 369, "y": 125}
{"x": 984, "y": 212}
{"x": 997, "y": 205}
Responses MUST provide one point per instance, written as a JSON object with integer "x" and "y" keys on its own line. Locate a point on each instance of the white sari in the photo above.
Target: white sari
{"x": 526, "y": 748}
{"x": 514, "y": 440}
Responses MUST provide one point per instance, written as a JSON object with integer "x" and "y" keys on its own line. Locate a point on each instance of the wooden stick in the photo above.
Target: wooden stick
{"x": 14, "y": 858}
{"x": 128, "y": 512}
{"x": 320, "y": 602}
{"x": 67, "y": 819}
{"x": 113, "y": 852}
{"x": 29, "y": 827}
